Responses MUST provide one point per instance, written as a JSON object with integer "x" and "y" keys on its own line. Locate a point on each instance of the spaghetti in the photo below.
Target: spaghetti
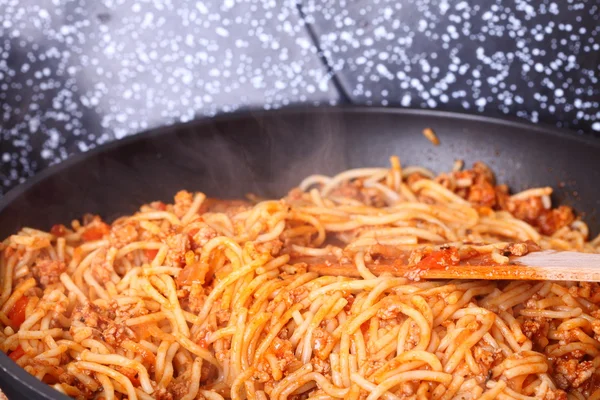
{"x": 211, "y": 299}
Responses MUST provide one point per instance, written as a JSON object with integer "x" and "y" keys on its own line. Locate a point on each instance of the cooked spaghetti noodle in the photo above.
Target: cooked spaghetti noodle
{"x": 213, "y": 299}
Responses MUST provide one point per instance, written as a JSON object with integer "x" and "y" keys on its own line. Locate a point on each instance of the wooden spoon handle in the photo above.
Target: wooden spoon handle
{"x": 543, "y": 265}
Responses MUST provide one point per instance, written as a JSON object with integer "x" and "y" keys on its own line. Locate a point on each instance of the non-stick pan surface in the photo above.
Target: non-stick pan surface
{"x": 267, "y": 153}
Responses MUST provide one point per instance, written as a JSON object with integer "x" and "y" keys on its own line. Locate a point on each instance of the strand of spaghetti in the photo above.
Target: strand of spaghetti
{"x": 168, "y": 370}
{"x": 194, "y": 380}
{"x": 438, "y": 189}
{"x": 458, "y": 355}
{"x": 173, "y": 271}
{"x": 274, "y": 331}
{"x": 7, "y": 270}
{"x": 222, "y": 285}
{"x": 344, "y": 285}
{"x": 535, "y": 192}
{"x": 140, "y": 393}
{"x": 226, "y": 242}
{"x": 108, "y": 390}
{"x": 236, "y": 386}
{"x": 321, "y": 235}
{"x": 197, "y": 350}
{"x": 144, "y": 245}
{"x": 114, "y": 359}
{"x": 359, "y": 261}
{"x": 391, "y": 196}
{"x": 194, "y": 207}
{"x": 17, "y": 294}
{"x": 440, "y": 377}
{"x": 211, "y": 395}
{"x": 251, "y": 336}
{"x": 348, "y": 175}
{"x": 370, "y": 387}
{"x": 169, "y": 216}
{"x": 272, "y": 235}
{"x": 312, "y": 180}
{"x": 236, "y": 342}
{"x": 111, "y": 373}
{"x": 92, "y": 282}
{"x": 174, "y": 306}
{"x": 276, "y": 393}
{"x": 321, "y": 381}
{"x": 314, "y": 323}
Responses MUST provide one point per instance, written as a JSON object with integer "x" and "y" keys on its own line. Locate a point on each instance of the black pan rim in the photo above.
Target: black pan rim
{"x": 73, "y": 160}
{"x": 21, "y": 378}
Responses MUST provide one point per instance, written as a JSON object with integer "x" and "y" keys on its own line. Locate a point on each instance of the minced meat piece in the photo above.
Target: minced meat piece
{"x": 47, "y": 271}
{"x": 572, "y": 373}
{"x": 103, "y": 321}
{"x": 552, "y": 220}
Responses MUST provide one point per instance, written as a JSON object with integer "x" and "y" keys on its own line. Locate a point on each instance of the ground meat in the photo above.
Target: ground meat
{"x": 552, "y": 220}
{"x": 101, "y": 270}
{"x": 322, "y": 341}
{"x": 178, "y": 388}
{"x": 414, "y": 336}
{"x": 183, "y": 201}
{"x": 556, "y": 395}
{"x": 103, "y": 322}
{"x": 596, "y": 329}
{"x": 282, "y": 349}
{"x": 200, "y": 237}
{"x": 320, "y": 366}
{"x": 164, "y": 394}
{"x": 208, "y": 372}
{"x": 390, "y": 311}
{"x": 590, "y": 385}
{"x": 223, "y": 317}
{"x": 536, "y": 328}
{"x": 482, "y": 171}
{"x": 520, "y": 249}
{"x": 533, "y": 212}
{"x": 502, "y": 197}
{"x": 227, "y": 207}
{"x": 414, "y": 177}
{"x": 446, "y": 181}
{"x": 482, "y": 193}
{"x": 196, "y": 298}
{"x": 295, "y": 295}
{"x": 572, "y": 373}
{"x": 272, "y": 247}
{"x": 295, "y": 194}
{"x": 178, "y": 245}
{"x": 47, "y": 271}
{"x": 485, "y": 356}
{"x": 349, "y": 189}
{"x": 355, "y": 190}
{"x": 528, "y": 210}
{"x": 122, "y": 234}
{"x": 586, "y": 290}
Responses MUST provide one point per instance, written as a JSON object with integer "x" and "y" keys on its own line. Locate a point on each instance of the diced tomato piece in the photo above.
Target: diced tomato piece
{"x": 195, "y": 272}
{"x": 151, "y": 253}
{"x": 158, "y": 205}
{"x": 18, "y": 353}
{"x": 95, "y": 232}
{"x": 58, "y": 230}
{"x": 440, "y": 259}
{"x": 49, "y": 379}
{"x": 17, "y": 312}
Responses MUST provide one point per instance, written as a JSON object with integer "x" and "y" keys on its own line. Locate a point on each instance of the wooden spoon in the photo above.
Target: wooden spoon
{"x": 540, "y": 265}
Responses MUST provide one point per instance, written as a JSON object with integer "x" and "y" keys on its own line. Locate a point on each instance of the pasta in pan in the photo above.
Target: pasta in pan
{"x": 214, "y": 299}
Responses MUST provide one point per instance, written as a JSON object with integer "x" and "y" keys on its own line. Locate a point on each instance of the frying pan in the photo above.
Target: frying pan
{"x": 267, "y": 153}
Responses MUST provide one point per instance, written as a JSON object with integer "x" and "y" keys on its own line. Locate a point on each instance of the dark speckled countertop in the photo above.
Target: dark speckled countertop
{"x": 77, "y": 73}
